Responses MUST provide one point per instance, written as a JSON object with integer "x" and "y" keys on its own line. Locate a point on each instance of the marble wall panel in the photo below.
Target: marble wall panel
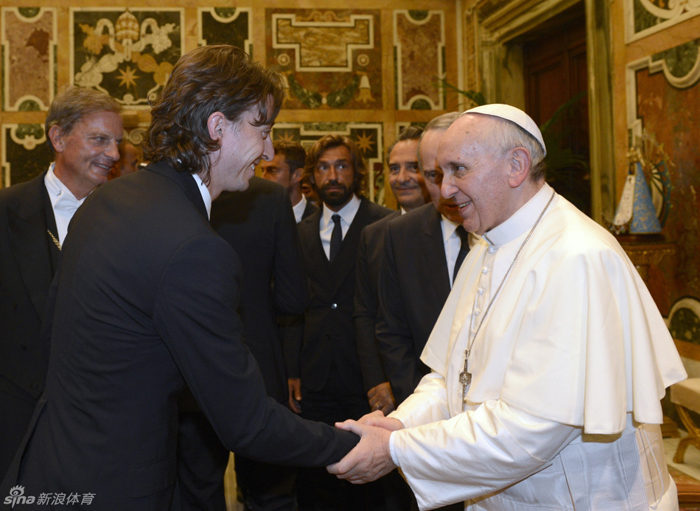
{"x": 127, "y": 53}
{"x": 665, "y": 104}
{"x": 28, "y": 58}
{"x": 330, "y": 59}
{"x": 645, "y": 17}
{"x": 367, "y": 136}
{"x": 419, "y": 59}
{"x": 25, "y": 153}
{"x": 219, "y": 25}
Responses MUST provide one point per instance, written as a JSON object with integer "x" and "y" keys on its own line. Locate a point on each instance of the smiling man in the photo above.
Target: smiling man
{"x": 145, "y": 304}
{"x": 83, "y": 127}
{"x": 548, "y": 360}
{"x": 422, "y": 253}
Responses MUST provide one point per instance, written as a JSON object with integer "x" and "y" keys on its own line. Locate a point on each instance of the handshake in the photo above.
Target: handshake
{"x": 371, "y": 458}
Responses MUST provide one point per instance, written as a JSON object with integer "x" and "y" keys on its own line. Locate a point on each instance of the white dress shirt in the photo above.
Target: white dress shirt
{"x": 299, "y": 208}
{"x": 452, "y": 243}
{"x": 347, "y": 215}
{"x": 63, "y": 202}
{"x": 206, "y": 196}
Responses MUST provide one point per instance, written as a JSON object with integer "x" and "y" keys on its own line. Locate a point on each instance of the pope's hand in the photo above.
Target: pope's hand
{"x": 370, "y": 459}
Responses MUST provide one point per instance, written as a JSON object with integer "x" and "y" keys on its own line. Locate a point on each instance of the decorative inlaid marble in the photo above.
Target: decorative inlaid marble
{"x": 368, "y": 137}
{"x": 29, "y": 58}
{"x": 645, "y": 17}
{"x": 25, "y": 154}
{"x": 328, "y": 59}
{"x": 220, "y": 25}
{"x": 419, "y": 50}
{"x": 128, "y": 54}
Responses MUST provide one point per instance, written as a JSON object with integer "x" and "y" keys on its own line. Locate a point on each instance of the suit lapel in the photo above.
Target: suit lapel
{"x": 31, "y": 242}
{"x": 433, "y": 249}
{"x": 311, "y": 238}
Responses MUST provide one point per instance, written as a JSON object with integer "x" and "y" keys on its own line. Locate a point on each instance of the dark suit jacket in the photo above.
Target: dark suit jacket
{"x": 145, "y": 303}
{"x": 292, "y": 327}
{"x": 309, "y": 210}
{"x": 329, "y": 335}
{"x": 369, "y": 261}
{"x": 28, "y": 259}
{"x": 413, "y": 287}
{"x": 259, "y": 224}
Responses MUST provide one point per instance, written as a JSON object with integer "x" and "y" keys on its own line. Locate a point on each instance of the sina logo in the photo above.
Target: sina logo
{"x": 17, "y": 496}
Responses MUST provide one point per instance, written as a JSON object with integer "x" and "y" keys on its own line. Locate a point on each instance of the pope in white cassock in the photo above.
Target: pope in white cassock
{"x": 549, "y": 357}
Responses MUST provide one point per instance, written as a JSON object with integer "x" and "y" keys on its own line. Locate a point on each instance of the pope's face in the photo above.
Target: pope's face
{"x": 475, "y": 175}
{"x": 432, "y": 175}
{"x": 405, "y": 178}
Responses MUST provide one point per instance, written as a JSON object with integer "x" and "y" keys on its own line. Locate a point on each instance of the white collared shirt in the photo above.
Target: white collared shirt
{"x": 452, "y": 243}
{"x": 206, "y": 196}
{"x": 63, "y": 202}
{"x": 347, "y": 215}
{"x": 299, "y": 208}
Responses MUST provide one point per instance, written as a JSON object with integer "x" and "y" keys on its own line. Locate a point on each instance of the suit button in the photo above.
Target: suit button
{"x": 14, "y": 306}
{"x": 23, "y": 345}
{"x": 334, "y": 306}
{"x": 34, "y": 385}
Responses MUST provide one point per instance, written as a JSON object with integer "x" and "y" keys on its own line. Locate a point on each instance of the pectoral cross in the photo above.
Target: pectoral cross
{"x": 465, "y": 377}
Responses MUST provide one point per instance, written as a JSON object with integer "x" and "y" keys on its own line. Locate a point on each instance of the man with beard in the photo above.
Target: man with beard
{"x": 324, "y": 371}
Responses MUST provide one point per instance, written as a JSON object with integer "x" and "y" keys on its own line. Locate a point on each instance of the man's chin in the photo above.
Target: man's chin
{"x": 335, "y": 199}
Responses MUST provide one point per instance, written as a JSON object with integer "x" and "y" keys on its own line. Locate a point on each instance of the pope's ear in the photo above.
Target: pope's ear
{"x": 519, "y": 166}
{"x": 215, "y": 125}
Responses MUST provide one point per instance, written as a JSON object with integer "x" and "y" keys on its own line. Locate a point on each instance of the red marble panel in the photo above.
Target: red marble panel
{"x": 672, "y": 115}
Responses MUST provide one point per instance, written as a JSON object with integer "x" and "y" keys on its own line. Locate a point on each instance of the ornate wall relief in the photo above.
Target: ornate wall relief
{"x": 329, "y": 59}
{"x": 644, "y": 17}
{"x": 128, "y": 54}
{"x": 29, "y": 58}
{"x": 419, "y": 59}
{"x": 367, "y": 136}
{"x": 25, "y": 154}
{"x": 219, "y": 25}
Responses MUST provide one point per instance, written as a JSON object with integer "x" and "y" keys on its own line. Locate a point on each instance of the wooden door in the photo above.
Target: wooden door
{"x": 555, "y": 73}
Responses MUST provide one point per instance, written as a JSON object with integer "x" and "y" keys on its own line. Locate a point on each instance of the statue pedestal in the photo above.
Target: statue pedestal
{"x": 646, "y": 250}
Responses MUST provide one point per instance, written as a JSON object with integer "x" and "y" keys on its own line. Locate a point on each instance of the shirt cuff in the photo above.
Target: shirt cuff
{"x": 394, "y": 458}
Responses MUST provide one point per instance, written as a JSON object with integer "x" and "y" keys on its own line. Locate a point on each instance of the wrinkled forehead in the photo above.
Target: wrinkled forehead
{"x": 468, "y": 133}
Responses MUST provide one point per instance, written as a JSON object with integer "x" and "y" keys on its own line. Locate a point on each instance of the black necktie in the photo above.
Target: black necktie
{"x": 463, "y": 249}
{"x": 336, "y": 237}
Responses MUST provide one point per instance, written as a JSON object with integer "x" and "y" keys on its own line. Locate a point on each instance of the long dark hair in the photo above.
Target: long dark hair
{"x": 219, "y": 78}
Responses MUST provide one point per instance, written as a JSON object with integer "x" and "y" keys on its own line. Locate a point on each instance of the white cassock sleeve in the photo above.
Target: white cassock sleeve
{"x": 476, "y": 452}
{"x": 428, "y": 403}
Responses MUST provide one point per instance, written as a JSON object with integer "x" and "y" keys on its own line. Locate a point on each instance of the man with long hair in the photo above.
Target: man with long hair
{"x": 145, "y": 302}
